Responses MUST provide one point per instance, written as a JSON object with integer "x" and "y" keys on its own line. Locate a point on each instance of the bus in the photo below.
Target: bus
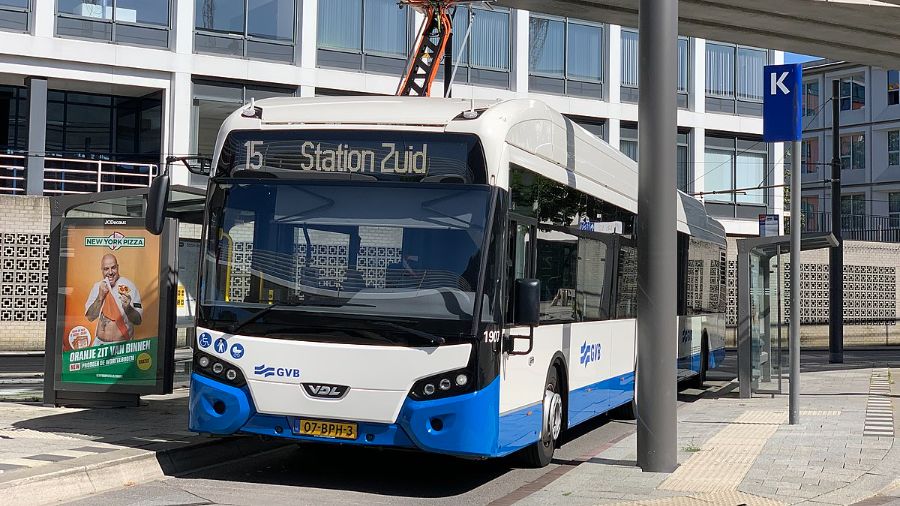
{"x": 429, "y": 274}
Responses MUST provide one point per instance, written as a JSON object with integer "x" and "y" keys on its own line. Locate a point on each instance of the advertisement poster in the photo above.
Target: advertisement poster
{"x": 111, "y": 320}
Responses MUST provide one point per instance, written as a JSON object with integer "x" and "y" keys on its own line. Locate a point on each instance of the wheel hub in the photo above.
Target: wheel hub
{"x": 552, "y": 414}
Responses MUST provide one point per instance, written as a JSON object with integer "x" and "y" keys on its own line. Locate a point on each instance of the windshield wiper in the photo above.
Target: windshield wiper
{"x": 430, "y": 338}
{"x": 239, "y": 324}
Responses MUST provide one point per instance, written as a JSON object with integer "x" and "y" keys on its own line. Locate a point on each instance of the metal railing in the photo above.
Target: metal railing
{"x": 855, "y": 227}
{"x": 63, "y": 176}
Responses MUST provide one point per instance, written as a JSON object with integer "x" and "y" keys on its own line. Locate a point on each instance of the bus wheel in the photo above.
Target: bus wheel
{"x": 540, "y": 453}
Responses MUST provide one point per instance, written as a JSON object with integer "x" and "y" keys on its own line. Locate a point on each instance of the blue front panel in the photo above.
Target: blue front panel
{"x": 716, "y": 357}
{"x": 468, "y": 423}
{"x": 465, "y": 425}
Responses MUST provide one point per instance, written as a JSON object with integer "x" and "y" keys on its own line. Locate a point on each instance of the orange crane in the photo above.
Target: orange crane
{"x": 433, "y": 43}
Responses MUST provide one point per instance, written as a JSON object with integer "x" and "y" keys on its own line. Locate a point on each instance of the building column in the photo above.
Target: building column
{"x": 183, "y": 27}
{"x": 43, "y": 17}
{"x": 520, "y": 49}
{"x": 697, "y": 84}
{"x": 613, "y": 129}
{"x": 698, "y": 155}
{"x": 37, "y": 135}
{"x": 179, "y": 123}
{"x": 614, "y": 67}
{"x": 309, "y": 15}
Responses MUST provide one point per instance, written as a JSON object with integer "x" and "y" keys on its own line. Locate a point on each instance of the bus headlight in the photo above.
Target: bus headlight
{"x": 442, "y": 385}
{"x": 217, "y": 369}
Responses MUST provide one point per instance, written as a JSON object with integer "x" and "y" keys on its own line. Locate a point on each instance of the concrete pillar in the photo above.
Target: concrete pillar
{"x": 37, "y": 135}
{"x": 656, "y": 237}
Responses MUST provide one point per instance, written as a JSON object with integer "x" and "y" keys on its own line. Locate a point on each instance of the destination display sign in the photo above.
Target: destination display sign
{"x": 389, "y": 156}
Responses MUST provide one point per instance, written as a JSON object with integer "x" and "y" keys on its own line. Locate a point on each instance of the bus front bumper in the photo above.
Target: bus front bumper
{"x": 462, "y": 425}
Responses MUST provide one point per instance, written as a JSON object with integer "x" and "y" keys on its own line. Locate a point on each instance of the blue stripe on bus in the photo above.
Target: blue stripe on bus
{"x": 520, "y": 427}
{"x": 597, "y": 398}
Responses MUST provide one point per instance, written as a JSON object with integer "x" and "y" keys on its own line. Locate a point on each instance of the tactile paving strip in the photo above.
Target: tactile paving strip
{"x": 725, "y": 458}
{"x": 879, "y": 408}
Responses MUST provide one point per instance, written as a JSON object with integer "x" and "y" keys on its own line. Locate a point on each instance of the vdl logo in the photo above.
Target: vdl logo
{"x": 281, "y": 372}
{"x": 590, "y": 353}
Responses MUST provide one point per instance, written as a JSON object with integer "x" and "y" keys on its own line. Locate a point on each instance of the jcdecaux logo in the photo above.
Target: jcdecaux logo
{"x": 280, "y": 372}
{"x": 590, "y": 353}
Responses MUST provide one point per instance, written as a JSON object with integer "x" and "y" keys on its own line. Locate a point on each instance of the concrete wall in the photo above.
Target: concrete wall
{"x": 24, "y": 245}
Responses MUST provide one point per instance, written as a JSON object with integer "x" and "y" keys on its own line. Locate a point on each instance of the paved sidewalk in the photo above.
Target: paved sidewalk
{"x": 49, "y": 455}
{"x": 32, "y": 435}
{"x": 743, "y": 451}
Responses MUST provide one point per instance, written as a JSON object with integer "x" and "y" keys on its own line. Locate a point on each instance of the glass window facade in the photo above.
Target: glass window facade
{"x": 139, "y": 22}
{"x": 14, "y": 15}
{"x": 810, "y": 154}
{"x": 14, "y": 106}
{"x": 853, "y": 151}
{"x": 734, "y": 79}
{"x": 565, "y": 56}
{"x": 737, "y": 169}
{"x": 810, "y": 98}
{"x": 258, "y": 29}
{"x": 853, "y": 93}
{"x": 630, "y": 60}
{"x": 483, "y": 58}
{"x": 893, "y": 147}
{"x": 894, "y": 209}
{"x": 104, "y": 127}
{"x": 893, "y": 87}
{"x": 628, "y": 140}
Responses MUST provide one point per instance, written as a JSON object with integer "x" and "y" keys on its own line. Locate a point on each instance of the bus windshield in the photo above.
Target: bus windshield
{"x": 346, "y": 250}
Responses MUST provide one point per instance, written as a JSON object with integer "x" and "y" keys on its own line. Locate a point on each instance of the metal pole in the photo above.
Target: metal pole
{"x": 656, "y": 237}
{"x": 794, "y": 346}
{"x": 836, "y": 254}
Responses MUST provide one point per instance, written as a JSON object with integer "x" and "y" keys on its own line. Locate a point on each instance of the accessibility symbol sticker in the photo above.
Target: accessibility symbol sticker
{"x": 237, "y": 350}
{"x": 221, "y": 345}
{"x": 205, "y": 340}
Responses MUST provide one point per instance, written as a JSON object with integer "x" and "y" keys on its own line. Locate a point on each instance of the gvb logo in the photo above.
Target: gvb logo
{"x": 281, "y": 372}
{"x": 590, "y": 353}
{"x": 686, "y": 335}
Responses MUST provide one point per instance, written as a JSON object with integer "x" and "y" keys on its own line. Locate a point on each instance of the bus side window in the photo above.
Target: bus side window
{"x": 519, "y": 259}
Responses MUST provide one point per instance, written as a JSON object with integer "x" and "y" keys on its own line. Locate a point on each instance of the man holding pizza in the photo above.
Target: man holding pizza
{"x": 116, "y": 302}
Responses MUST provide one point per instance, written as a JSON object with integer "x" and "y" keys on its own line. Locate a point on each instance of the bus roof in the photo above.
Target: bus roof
{"x": 525, "y": 128}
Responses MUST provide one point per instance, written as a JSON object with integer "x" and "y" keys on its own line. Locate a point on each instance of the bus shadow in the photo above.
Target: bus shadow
{"x": 383, "y": 472}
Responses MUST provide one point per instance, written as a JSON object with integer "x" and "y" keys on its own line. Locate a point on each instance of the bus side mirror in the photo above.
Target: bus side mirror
{"x": 157, "y": 201}
{"x": 528, "y": 302}
{"x": 527, "y": 312}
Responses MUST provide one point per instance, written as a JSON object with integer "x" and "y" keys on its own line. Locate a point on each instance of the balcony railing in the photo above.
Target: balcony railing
{"x": 855, "y": 227}
{"x": 64, "y": 176}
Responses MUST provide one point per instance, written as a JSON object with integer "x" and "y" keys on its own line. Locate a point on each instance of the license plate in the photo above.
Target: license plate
{"x": 318, "y": 428}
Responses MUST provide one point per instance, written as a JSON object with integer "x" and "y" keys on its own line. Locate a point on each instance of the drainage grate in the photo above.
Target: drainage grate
{"x": 879, "y": 409}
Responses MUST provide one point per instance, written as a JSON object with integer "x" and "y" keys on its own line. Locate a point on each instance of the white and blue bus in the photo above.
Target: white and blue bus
{"x": 424, "y": 274}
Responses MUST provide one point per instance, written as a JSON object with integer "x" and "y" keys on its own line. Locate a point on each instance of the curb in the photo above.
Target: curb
{"x": 93, "y": 474}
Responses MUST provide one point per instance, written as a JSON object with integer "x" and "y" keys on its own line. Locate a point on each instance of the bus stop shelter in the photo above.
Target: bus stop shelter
{"x": 762, "y": 332}
{"x": 86, "y": 230}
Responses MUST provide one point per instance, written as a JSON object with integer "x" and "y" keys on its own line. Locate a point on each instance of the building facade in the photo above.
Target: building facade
{"x": 869, "y": 103}
{"x": 124, "y": 83}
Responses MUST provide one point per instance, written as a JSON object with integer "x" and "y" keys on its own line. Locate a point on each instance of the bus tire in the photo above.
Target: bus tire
{"x": 540, "y": 453}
